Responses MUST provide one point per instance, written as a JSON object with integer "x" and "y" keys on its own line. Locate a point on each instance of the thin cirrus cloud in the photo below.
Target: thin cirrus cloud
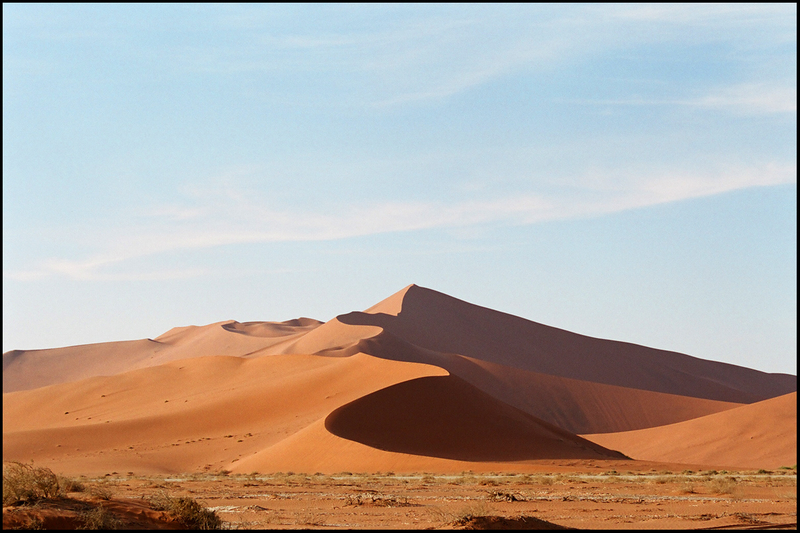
{"x": 231, "y": 218}
{"x": 740, "y": 99}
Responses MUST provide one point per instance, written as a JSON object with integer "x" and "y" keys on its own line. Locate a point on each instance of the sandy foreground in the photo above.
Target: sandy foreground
{"x": 582, "y": 496}
{"x": 411, "y": 414}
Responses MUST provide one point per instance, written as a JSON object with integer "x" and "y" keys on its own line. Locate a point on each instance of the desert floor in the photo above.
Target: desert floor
{"x": 578, "y": 496}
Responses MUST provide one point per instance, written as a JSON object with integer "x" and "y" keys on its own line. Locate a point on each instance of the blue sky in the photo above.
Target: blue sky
{"x": 621, "y": 171}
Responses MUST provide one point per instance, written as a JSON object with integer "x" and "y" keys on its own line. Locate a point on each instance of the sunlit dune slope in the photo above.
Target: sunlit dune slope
{"x": 212, "y": 412}
{"x": 759, "y": 435}
{"x": 29, "y": 369}
{"x": 190, "y": 414}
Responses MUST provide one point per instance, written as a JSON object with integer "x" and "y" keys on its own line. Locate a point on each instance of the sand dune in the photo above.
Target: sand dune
{"x": 575, "y": 405}
{"x": 29, "y": 369}
{"x": 90, "y": 424}
{"x": 438, "y": 322}
{"x": 759, "y": 435}
{"x": 212, "y": 412}
{"x": 420, "y": 381}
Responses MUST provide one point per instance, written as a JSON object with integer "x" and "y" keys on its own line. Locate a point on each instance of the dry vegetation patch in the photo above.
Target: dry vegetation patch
{"x": 26, "y": 483}
{"x": 186, "y": 511}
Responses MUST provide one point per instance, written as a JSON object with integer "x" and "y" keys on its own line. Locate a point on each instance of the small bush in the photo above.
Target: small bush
{"x": 68, "y": 484}
{"x": 187, "y": 511}
{"x": 726, "y": 485}
{"x": 99, "y": 518}
{"x": 23, "y": 483}
{"x": 469, "y": 512}
{"x": 102, "y": 492}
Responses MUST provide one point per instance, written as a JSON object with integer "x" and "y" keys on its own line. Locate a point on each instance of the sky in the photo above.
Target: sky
{"x": 626, "y": 172}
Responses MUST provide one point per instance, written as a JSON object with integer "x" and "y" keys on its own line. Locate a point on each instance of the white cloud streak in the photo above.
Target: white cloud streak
{"x": 231, "y": 217}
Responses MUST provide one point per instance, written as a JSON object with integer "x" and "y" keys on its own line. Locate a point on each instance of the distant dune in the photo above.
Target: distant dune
{"x": 29, "y": 369}
{"x": 420, "y": 381}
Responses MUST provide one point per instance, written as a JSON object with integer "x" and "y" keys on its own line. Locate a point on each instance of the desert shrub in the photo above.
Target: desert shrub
{"x": 471, "y": 511}
{"x": 187, "y": 511}
{"x": 546, "y": 480}
{"x": 723, "y": 485}
{"x": 102, "y": 492}
{"x": 160, "y": 501}
{"x": 68, "y": 484}
{"x": 99, "y": 518}
{"x": 27, "y": 483}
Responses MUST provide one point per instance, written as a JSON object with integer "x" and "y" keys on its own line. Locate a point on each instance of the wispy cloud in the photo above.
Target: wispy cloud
{"x": 744, "y": 99}
{"x": 751, "y": 98}
{"x": 233, "y": 217}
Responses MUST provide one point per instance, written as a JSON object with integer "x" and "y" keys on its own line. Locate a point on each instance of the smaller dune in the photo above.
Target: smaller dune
{"x": 759, "y": 435}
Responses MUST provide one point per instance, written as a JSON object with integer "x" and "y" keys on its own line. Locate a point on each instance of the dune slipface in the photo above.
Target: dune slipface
{"x": 420, "y": 381}
{"x": 447, "y": 417}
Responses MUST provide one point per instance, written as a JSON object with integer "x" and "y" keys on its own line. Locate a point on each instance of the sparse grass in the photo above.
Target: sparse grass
{"x": 99, "y": 518}
{"x": 186, "y": 511}
{"x": 25, "y": 483}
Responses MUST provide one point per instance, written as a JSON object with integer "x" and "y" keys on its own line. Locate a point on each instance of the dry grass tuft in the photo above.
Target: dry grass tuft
{"x": 187, "y": 511}
{"x": 723, "y": 485}
{"x": 99, "y": 518}
{"x": 24, "y": 483}
{"x": 101, "y": 491}
{"x": 68, "y": 484}
{"x": 471, "y": 511}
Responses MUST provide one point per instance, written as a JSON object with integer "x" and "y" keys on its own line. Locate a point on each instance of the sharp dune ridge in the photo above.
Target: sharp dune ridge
{"x": 419, "y": 381}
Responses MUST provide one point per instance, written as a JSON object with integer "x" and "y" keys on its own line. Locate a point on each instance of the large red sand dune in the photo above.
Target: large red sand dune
{"x": 438, "y": 322}
{"x": 420, "y": 381}
{"x": 211, "y": 412}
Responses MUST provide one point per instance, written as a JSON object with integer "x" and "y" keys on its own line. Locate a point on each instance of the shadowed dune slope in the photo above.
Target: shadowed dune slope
{"x": 441, "y": 323}
{"x": 444, "y": 416}
{"x": 29, "y": 369}
{"x": 759, "y": 435}
{"x": 575, "y": 405}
